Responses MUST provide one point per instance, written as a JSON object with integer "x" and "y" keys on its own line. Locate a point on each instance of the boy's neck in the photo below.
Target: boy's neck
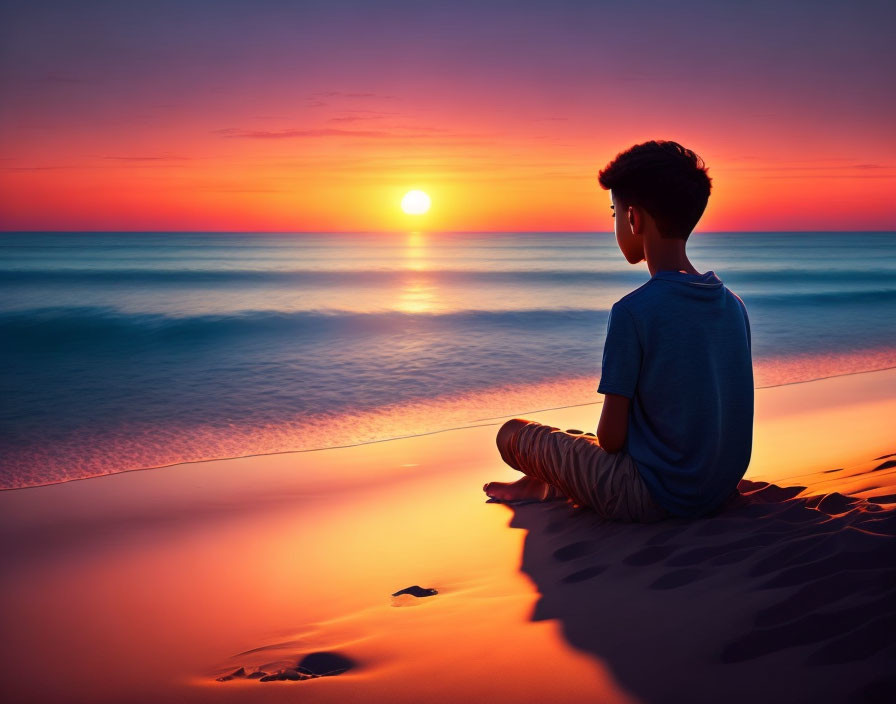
{"x": 666, "y": 254}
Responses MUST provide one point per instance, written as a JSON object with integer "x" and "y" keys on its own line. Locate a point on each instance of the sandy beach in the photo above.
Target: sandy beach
{"x": 150, "y": 586}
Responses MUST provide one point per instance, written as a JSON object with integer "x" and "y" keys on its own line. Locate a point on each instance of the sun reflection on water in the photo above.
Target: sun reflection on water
{"x": 418, "y": 292}
{"x": 415, "y": 252}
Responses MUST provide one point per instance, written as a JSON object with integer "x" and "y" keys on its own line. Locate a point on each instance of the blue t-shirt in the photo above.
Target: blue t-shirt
{"x": 679, "y": 347}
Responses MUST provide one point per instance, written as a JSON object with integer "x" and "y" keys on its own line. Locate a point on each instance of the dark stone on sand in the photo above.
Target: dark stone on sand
{"x": 323, "y": 664}
{"x": 416, "y": 590}
{"x": 256, "y": 675}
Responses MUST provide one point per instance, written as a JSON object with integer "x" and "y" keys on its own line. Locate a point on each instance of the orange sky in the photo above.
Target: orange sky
{"x": 179, "y": 121}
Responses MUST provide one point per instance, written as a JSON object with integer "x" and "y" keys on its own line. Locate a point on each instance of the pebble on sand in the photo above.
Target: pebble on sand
{"x": 416, "y": 590}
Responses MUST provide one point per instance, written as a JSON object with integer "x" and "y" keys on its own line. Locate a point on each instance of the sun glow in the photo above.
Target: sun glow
{"x": 415, "y": 203}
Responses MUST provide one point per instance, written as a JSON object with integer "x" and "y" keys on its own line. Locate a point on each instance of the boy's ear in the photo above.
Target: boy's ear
{"x": 636, "y": 217}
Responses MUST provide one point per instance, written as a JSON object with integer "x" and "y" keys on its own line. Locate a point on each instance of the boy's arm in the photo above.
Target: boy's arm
{"x": 613, "y": 425}
{"x": 618, "y": 378}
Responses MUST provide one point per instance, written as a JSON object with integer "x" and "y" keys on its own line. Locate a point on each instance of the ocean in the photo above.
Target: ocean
{"x": 121, "y": 351}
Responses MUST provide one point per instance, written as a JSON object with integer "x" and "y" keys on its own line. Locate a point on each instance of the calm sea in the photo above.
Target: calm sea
{"x": 128, "y": 350}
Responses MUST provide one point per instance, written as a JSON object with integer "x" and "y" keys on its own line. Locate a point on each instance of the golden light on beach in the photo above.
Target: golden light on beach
{"x": 415, "y": 202}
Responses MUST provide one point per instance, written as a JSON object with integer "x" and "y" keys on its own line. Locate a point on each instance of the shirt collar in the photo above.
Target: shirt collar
{"x": 707, "y": 278}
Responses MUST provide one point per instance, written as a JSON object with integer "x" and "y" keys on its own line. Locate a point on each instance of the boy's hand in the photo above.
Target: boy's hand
{"x": 613, "y": 425}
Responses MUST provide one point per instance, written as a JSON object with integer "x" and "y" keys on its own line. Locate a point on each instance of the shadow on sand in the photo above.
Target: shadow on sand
{"x": 773, "y": 599}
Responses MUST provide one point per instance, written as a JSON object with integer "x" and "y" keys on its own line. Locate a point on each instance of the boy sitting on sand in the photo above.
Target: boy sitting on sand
{"x": 676, "y": 429}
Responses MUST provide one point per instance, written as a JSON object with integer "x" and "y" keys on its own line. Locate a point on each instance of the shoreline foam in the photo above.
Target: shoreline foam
{"x": 333, "y": 427}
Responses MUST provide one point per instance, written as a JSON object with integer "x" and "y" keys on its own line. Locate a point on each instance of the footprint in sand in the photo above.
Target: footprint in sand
{"x": 677, "y": 578}
{"x": 836, "y": 503}
{"x": 584, "y": 574}
{"x": 650, "y": 555}
{"x": 888, "y": 499}
{"x": 724, "y": 554}
{"x": 573, "y": 551}
{"x": 319, "y": 664}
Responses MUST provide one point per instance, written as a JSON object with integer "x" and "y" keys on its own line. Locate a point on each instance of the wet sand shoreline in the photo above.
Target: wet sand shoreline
{"x": 147, "y": 586}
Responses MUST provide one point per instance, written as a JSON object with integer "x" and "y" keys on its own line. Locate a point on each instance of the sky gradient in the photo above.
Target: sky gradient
{"x": 276, "y": 116}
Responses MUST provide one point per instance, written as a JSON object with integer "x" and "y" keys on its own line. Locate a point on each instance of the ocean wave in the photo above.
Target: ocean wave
{"x": 886, "y": 296}
{"x": 310, "y": 277}
{"x": 106, "y": 327}
{"x": 782, "y": 277}
{"x": 103, "y": 325}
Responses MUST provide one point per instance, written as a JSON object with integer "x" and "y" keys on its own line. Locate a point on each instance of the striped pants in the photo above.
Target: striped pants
{"x": 576, "y": 464}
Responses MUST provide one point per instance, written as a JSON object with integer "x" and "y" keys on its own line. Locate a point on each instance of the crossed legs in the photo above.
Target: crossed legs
{"x": 574, "y": 466}
{"x": 529, "y": 487}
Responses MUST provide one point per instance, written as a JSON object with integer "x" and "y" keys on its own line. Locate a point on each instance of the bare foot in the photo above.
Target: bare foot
{"x": 525, "y": 489}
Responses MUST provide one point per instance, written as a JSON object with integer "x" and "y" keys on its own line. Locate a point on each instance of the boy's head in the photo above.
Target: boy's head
{"x": 662, "y": 178}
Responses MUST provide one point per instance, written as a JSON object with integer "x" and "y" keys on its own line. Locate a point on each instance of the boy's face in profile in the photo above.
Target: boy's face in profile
{"x": 630, "y": 244}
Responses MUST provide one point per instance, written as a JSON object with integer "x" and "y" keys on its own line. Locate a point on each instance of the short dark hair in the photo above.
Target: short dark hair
{"x": 667, "y": 180}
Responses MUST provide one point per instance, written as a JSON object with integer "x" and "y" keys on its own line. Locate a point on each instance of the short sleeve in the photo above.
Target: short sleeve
{"x": 622, "y": 355}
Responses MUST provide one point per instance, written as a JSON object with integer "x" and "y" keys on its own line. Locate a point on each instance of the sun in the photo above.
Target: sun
{"x": 415, "y": 203}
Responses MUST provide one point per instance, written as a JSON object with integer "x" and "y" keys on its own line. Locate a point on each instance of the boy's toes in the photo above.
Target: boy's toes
{"x": 495, "y": 490}
{"x": 524, "y": 489}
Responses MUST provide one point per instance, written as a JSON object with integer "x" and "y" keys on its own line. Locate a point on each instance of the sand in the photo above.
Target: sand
{"x": 149, "y": 586}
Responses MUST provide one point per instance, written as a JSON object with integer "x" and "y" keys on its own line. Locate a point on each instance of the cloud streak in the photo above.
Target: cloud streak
{"x": 139, "y": 159}
{"x": 394, "y": 134}
{"x": 235, "y": 133}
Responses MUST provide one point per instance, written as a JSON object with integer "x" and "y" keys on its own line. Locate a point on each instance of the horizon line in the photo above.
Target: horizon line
{"x": 418, "y": 231}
